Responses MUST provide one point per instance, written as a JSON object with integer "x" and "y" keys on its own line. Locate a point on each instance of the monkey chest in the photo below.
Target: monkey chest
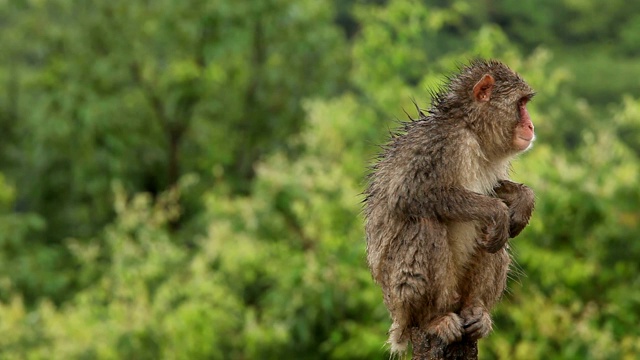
{"x": 462, "y": 238}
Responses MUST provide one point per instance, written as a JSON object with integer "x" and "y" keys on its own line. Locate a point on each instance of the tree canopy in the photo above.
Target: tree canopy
{"x": 182, "y": 179}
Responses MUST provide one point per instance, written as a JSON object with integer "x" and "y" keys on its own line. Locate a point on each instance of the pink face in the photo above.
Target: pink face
{"x": 523, "y": 135}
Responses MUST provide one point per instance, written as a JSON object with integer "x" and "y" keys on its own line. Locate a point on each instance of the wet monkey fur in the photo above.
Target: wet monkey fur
{"x": 440, "y": 207}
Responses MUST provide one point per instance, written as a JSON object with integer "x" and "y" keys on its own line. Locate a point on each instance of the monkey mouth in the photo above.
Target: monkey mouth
{"x": 524, "y": 143}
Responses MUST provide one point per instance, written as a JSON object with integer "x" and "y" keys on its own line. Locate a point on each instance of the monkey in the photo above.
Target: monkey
{"x": 439, "y": 207}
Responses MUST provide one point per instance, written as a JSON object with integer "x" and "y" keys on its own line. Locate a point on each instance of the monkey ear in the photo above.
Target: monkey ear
{"x": 482, "y": 89}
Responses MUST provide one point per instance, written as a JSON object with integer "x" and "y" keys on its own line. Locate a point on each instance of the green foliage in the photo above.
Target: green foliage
{"x": 123, "y": 91}
{"x": 182, "y": 180}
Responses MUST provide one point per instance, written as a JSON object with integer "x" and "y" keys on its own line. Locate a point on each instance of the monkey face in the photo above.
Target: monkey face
{"x": 523, "y": 134}
{"x": 506, "y": 101}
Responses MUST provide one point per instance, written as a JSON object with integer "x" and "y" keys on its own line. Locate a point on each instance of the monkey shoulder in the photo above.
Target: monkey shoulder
{"x": 426, "y": 140}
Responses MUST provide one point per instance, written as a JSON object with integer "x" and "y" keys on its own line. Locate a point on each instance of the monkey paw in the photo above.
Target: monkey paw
{"x": 476, "y": 322}
{"x": 495, "y": 232}
{"x": 448, "y": 328}
{"x": 520, "y": 211}
{"x": 518, "y": 223}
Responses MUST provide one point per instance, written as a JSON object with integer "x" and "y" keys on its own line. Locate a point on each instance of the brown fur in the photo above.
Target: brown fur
{"x": 439, "y": 206}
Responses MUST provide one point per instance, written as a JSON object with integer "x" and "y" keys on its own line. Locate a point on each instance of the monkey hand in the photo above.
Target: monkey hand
{"x": 521, "y": 200}
{"x": 495, "y": 231}
{"x": 520, "y": 210}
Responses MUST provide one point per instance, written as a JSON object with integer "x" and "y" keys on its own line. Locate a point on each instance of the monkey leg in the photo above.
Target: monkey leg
{"x": 484, "y": 284}
{"x": 423, "y": 289}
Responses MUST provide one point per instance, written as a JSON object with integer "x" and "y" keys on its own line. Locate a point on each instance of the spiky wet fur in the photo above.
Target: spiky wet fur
{"x": 430, "y": 193}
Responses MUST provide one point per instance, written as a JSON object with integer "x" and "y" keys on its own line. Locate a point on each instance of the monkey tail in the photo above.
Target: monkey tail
{"x": 398, "y": 338}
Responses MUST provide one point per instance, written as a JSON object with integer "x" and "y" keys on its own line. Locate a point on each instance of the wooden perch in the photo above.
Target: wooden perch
{"x": 430, "y": 347}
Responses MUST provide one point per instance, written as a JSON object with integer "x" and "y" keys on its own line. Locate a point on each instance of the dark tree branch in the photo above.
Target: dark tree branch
{"x": 173, "y": 129}
{"x": 150, "y": 95}
{"x": 252, "y": 125}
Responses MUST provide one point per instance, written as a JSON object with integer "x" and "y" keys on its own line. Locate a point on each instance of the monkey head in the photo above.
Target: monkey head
{"x": 511, "y": 104}
{"x": 494, "y": 100}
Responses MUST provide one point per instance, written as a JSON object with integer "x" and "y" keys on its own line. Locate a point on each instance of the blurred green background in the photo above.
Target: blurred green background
{"x": 182, "y": 179}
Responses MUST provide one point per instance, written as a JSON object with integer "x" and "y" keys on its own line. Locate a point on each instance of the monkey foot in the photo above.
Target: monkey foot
{"x": 476, "y": 322}
{"x": 447, "y": 327}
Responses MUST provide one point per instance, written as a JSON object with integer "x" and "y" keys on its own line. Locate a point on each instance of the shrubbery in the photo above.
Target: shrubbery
{"x": 183, "y": 181}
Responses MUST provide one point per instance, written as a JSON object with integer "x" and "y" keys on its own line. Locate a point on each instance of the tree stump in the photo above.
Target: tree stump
{"x": 430, "y": 347}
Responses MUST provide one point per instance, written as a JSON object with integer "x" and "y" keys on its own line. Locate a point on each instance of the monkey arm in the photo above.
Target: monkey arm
{"x": 461, "y": 205}
{"x": 520, "y": 199}
{"x": 414, "y": 196}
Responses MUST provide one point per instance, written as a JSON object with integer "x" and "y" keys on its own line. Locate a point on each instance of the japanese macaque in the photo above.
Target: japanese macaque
{"x": 440, "y": 207}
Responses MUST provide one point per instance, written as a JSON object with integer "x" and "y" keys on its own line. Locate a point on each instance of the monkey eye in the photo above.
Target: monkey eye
{"x": 525, "y": 99}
